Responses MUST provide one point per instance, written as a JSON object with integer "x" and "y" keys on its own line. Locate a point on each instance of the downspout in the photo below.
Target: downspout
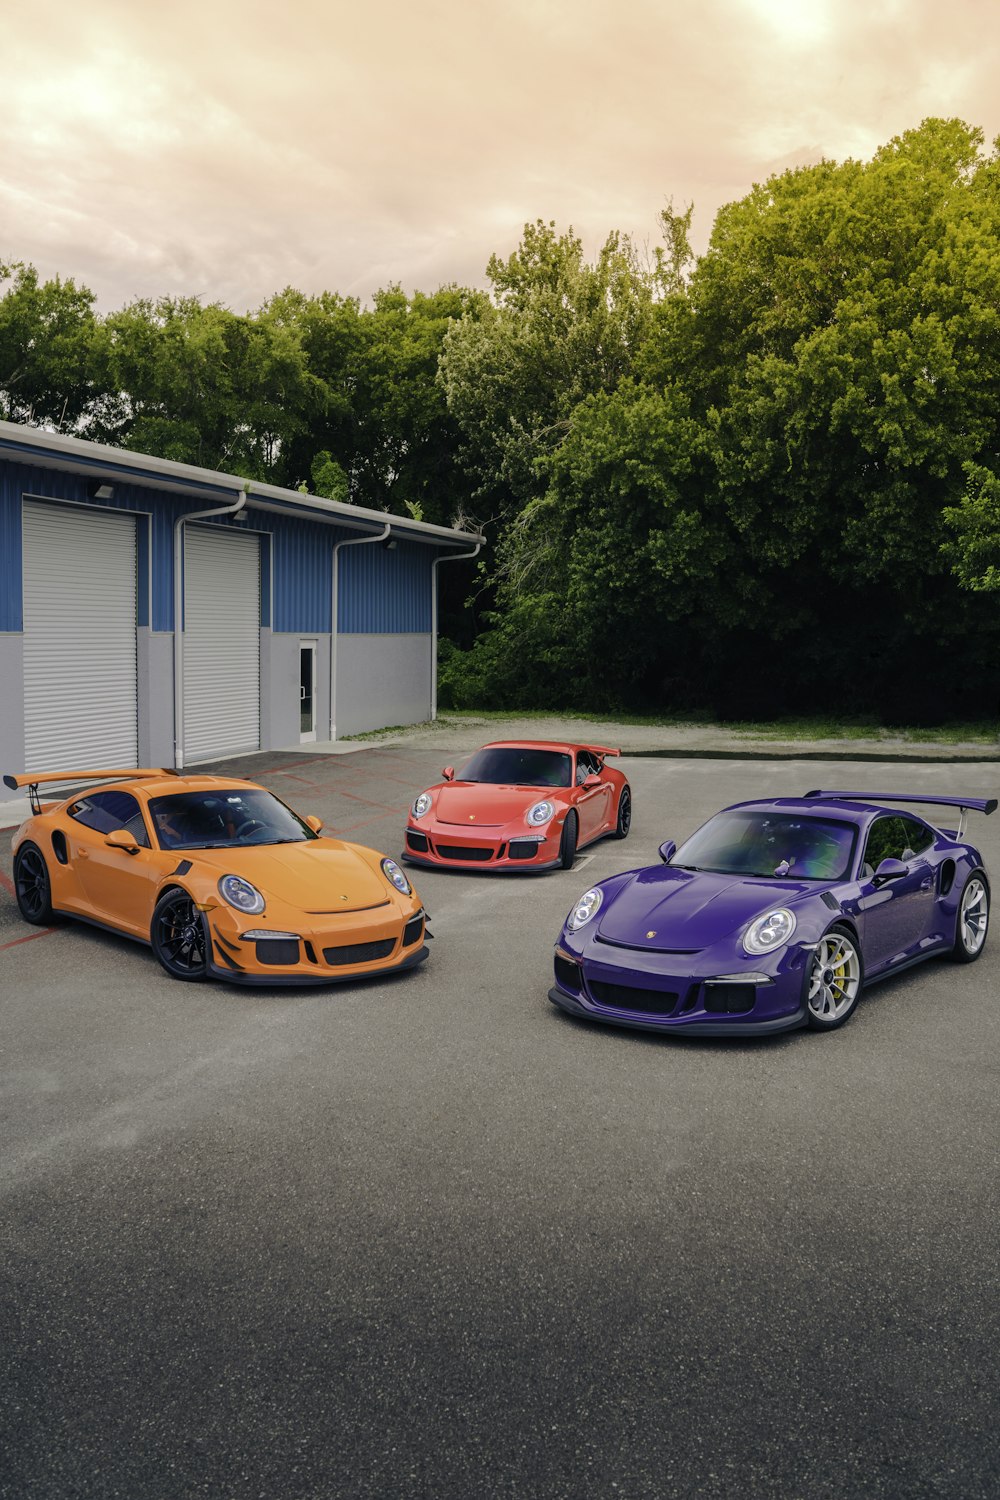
{"x": 193, "y": 515}
{"x": 354, "y": 541}
{"x": 452, "y": 557}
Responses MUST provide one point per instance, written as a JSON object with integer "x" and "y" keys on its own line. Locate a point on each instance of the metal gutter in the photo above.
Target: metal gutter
{"x": 35, "y": 445}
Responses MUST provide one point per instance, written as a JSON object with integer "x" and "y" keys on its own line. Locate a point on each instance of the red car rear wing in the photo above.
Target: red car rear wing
{"x": 602, "y": 750}
{"x": 34, "y": 779}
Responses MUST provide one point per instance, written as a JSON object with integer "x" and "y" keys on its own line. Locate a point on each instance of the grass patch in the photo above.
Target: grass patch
{"x": 982, "y": 731}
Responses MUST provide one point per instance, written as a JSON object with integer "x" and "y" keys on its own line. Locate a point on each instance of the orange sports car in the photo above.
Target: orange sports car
{"x": 218, "y": 876}
{"x": 519, "y": 805}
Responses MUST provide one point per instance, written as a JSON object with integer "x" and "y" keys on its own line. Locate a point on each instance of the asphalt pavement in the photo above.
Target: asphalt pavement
{"x": 429, "y": 1237}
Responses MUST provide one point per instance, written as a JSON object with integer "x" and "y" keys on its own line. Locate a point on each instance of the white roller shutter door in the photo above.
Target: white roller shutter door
{"x": 221, "y": 642}
{"x": 80, "y": 699}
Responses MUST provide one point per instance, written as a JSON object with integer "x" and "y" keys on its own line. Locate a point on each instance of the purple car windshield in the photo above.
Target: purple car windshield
{"x": 519, "y": 765}
{"x": 770, "y": 843}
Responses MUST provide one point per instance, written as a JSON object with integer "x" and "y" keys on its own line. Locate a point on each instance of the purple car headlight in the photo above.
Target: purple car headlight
{"x": 770, "y": 931}
{"x": 587, "y": 906}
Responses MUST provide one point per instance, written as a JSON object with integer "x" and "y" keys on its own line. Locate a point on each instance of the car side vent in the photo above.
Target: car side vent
{"x": 59, "y": 846}
{"x": 830, "y": 901}
{"x": 947, "y": 877}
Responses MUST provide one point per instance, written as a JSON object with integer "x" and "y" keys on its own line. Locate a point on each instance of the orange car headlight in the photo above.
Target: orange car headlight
{"x": 240, "y": 893}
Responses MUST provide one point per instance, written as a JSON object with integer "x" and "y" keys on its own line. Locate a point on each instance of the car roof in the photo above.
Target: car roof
{"x": 170, "y": 785}
{"x": 803, "y": 807}
{"x": 567, "y": 746}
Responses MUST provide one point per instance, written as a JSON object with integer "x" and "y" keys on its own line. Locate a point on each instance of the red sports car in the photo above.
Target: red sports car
{"x": 519, "y": 805}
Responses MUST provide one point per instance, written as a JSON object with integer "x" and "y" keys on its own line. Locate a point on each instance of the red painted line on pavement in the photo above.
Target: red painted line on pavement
{"x": 368, "y": 802}
{"x": 46, "y": 932}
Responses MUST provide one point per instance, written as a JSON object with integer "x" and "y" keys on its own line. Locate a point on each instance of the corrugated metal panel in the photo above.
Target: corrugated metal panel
{"x": 80, "y": 688}
{"x": 221, "y": 642}
{"x": 301, "y": 553}
{"x": 385, "y": 591}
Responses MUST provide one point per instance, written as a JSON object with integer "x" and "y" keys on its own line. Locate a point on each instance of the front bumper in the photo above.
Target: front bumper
{"x": 693, "y": 994}
{"x": 335, "y": 949}
{"x": 484, "y": 850}
{"x": 302, "y": 976}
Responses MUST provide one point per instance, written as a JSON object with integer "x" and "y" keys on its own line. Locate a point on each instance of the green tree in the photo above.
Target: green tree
{"x": 47, "y": 336}
{"x": 974, "y": 552}
{"x": 202, "y": 385}
{"x": 555, "y": 331}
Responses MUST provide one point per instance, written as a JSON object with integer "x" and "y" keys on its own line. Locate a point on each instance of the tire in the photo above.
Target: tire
{"x": 32, "y": 886}
{"x": 179, "y": 936}
{"x": 624, "y": 814}
{"x": 835, "y": 979}
{"x": 567, "y": 844}
{"x": 972, "y": 920}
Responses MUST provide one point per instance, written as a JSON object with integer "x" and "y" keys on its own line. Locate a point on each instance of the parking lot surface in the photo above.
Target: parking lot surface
{"x": 430, "y": 1237}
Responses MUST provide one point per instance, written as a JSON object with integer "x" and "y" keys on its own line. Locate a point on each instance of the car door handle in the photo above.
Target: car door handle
{"x": 926, "y": 885}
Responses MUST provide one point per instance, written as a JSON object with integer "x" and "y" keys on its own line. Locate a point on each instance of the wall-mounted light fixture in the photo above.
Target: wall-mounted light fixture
{"x": 99, "y": 490}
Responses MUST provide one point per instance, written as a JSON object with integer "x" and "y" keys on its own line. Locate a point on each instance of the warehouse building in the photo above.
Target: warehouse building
{"x": 154, "y": 613}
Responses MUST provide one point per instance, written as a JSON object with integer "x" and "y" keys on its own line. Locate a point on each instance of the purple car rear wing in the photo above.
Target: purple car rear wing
{"x": 985, "y": 805}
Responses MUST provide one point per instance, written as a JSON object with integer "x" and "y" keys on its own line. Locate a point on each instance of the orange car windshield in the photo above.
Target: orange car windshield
{"x": 226, "y": 819}
{"x": 517, "y": 766}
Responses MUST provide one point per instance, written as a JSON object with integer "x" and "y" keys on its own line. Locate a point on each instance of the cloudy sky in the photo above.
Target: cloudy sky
{"x": 229, "y": 148}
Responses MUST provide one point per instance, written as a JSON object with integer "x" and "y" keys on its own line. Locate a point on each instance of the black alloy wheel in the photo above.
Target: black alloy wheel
{"x": 179, "y": 936}
{"x": 624, "y": 814}
{"x": 567, "y": 844}
{"x": 32, "y": 887}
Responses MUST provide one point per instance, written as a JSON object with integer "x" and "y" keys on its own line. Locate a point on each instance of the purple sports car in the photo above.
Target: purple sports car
{"x": 774, "y": 915}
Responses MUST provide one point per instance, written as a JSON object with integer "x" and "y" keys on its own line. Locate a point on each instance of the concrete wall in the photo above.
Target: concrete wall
{"x": 382, "y": 680}
{"x": 11, "y": 709}
{"x": 155, "y": 662}
{"x": 279, "y": 688}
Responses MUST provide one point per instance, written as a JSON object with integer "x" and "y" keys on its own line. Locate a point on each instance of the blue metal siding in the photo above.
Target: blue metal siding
{"x": 385, "y": 591}
{"x": 382, "y": 591}
{"x": 302, "y": 570}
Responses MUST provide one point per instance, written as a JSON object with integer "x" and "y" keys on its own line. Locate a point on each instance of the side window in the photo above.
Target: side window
{"x": 917, "y": 835}
{"x": 886, "y": 840}
{"x": 106, "y": 811}
{"x": 584, "y": 766}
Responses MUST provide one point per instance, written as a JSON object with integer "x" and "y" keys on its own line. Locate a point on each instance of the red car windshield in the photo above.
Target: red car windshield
{"x": 515, "y": 765}
{"x": 225, "y": 819}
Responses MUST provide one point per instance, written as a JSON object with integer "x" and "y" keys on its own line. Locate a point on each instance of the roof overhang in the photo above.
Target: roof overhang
{"x": 54, "y": 450}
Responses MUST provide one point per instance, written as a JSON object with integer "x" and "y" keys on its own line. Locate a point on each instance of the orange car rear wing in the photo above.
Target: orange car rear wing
{"x": 602, "y": 750}
{"x": 34, "y": 779}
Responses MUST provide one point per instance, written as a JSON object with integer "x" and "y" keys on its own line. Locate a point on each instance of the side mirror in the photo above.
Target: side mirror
{"x": 448, "y": 773}
{"x": 889, "y": 869}
{"x": 592, "y": 780}
{"x": 120, "y": 838}
{"x": 667, "y": 851}
{"x": 314, "y": 823}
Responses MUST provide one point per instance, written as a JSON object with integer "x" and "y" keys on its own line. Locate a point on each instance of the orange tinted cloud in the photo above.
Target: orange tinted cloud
{"x": 227, "y": 150}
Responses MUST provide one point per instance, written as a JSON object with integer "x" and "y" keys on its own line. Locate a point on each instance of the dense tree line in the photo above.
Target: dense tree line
{"x": 763, "y": 480}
